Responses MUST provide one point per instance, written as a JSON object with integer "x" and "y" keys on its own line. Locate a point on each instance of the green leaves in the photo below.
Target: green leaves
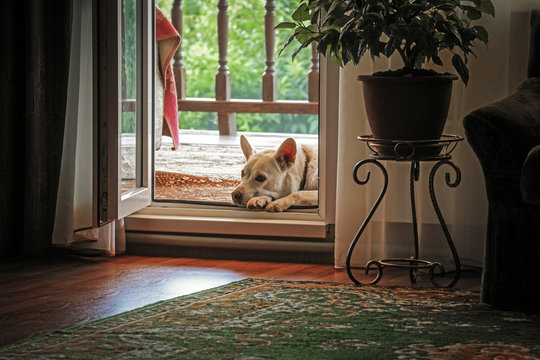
{"x": 246, "y": 57}
{"x": 301, "y": 13}
{"x": 474, "y": 14}
{"x": 487, "y": 7}
{"x": 286, "y": 25}
{"x": 461, "y": 68}
{"x": 481, "y": 33}
{"x": 417, "y": 30}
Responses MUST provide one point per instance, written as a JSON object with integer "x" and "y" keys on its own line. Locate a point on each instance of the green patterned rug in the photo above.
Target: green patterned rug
{"x": 260, "y": 319}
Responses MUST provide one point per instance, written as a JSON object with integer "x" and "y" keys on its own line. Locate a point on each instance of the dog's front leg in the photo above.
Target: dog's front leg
{"x": 258, "y": 202}
{"x": 303, "y": 197}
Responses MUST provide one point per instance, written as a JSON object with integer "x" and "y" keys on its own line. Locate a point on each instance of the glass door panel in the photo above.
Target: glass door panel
{"x": 124, "y": 85}
{"x": 130, "y": 167}
{"x": 137, "y": 91}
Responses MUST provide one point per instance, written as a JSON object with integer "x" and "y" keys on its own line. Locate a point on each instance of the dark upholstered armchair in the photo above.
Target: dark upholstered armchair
{"x": 506, "y": 138}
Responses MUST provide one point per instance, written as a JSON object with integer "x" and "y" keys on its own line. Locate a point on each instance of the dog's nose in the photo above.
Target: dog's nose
{"x": 237, "y": 195}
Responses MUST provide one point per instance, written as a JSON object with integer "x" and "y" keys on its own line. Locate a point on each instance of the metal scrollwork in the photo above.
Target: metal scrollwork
{"x": 452, "y": 184}
{"x": 368, "y": 218}
{"x": 437, "y": 150}
{"x": 414, "y": 177}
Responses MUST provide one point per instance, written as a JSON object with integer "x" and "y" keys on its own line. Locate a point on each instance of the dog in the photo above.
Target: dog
{"x": 276, "y": 180}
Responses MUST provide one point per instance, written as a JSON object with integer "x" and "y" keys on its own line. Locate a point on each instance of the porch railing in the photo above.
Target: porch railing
{"x": 226, "y": 107}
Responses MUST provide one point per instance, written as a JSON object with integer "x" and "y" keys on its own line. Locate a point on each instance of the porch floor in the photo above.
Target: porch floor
{"x": 206, "y": 166}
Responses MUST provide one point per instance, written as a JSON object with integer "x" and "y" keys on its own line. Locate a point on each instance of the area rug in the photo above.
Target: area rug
{"x": 266, "y": 319}
{"x": 174, "y": 186}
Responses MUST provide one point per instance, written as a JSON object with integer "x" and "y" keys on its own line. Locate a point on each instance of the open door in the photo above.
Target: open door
{"x": 123, "y": 99}
{"x": 106, "y": 157}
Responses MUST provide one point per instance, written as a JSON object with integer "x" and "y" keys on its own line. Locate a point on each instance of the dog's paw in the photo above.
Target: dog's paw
{"x": 259, "y": 202}
{"x": 278, "y": 206}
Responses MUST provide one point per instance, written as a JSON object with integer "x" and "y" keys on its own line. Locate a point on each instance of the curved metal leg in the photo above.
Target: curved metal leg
{"x": 368, "y": 218}
{"x": 415, "y": 175}
{"x": 441, "y": 219}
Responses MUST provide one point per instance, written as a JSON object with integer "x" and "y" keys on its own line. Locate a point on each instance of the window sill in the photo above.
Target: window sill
{"x": 215, "y": 220}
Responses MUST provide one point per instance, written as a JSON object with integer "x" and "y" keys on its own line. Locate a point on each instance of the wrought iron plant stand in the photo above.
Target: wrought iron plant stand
{"x": 415, "y": 152}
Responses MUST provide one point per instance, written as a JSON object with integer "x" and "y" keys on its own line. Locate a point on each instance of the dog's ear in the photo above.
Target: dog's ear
{"x": 246, "y": 147}
{"x": 286, "y": 154}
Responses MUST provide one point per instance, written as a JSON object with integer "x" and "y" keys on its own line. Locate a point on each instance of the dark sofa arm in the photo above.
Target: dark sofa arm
{"x": 501, "y": 135}
{"x": 530, "y": 177}
{"x": 496, "y": 156}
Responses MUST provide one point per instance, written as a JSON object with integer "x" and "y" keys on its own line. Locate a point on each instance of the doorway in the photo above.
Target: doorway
{"x": 193, "y": 225}
{"x": 225, "y": 91}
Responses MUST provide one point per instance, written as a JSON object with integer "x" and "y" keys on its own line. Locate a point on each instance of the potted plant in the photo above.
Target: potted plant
{"x": 410, "y": 103}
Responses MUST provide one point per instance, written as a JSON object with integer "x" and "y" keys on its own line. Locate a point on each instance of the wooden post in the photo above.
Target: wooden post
{"x": 313, "y": 77}
{"x": 269, "y": 88}
{"x": 178, "y": 66}
{"x": 226, "y": 121}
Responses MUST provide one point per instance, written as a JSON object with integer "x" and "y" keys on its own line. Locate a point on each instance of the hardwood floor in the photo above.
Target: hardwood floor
{"x": 40, "y": 296}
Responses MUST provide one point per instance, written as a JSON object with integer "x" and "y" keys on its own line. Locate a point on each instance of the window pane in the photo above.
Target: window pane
{"x": 130, "y": 168}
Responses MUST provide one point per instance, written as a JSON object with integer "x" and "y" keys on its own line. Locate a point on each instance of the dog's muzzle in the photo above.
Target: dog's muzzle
{"x": 237, "y": 197}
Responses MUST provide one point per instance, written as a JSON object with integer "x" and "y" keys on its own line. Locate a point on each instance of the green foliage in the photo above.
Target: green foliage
{"x": 246, "y": 61}
{"x": 417, "y": 30}
{"x": 129, "y": 63}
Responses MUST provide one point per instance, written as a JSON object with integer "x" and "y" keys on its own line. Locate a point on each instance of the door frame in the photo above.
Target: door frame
{"x": 110, "y": 202}
{"x": 189, "y": 219}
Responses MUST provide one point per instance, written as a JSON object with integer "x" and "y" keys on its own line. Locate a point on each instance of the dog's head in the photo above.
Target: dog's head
{"x": 265, "y": 172}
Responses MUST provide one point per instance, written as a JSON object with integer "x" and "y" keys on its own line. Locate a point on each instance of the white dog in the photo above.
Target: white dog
{"x": 277, "y": 180}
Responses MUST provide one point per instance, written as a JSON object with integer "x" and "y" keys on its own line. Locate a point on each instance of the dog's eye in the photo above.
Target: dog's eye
{"x": 260, "y": 178}
{"x": 242, "y": 173}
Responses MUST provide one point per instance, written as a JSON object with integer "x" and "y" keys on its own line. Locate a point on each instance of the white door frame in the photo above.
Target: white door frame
{"x": 199, "y": 220}
{"x": 111, "y": 203}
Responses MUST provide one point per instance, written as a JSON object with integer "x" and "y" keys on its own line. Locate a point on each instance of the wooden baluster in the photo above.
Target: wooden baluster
{"x": 226, "y": 121}
{"x": 178, "y": 65}
{"x": 313, "y": 79}
{"x": 269, "y": 88}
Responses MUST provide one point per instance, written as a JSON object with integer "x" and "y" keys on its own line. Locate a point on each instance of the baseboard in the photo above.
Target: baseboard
{"x": 315, "y": 251}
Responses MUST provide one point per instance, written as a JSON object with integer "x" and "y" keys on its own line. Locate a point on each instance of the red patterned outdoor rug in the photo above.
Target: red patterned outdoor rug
{"x": 174, "y": 186}
{"x": 264, "y": 319}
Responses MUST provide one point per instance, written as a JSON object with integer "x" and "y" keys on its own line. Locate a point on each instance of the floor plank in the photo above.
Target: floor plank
{"x": 40, "y": 296}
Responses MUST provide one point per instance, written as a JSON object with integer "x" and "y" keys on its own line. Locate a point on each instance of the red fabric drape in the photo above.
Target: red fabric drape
{"x": 168, "y": 41}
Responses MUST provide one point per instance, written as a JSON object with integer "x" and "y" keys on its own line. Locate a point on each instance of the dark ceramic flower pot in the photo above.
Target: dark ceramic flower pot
{"x": 407, "y": 108}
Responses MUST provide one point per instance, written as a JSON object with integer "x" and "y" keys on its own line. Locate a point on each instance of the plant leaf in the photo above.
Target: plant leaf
{"x": 285, "y": 25}
{"x": 303, "y": 46}
{"x": 481, "y": 33}
{"x": 374, "y": 16}
{"x": 487, "y": 6}
{"x": 335, "y": 9}
{"x": 474, "y": 14}
{"x": 437, "y": 60}
{"x": 322, "y": 47}
{"x": 291, "y": 38}
{"x": 346, "y": 27}
{"x": 453, "y": 29}
{"x": 461, "y": 68}
{"x": 315, "y": 16}
{"x": 305, "y": 35}
{"x": 301, "y": 13}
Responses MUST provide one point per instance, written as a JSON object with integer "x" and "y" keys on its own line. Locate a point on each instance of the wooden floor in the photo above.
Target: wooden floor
{"x": 40, "y": 296}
